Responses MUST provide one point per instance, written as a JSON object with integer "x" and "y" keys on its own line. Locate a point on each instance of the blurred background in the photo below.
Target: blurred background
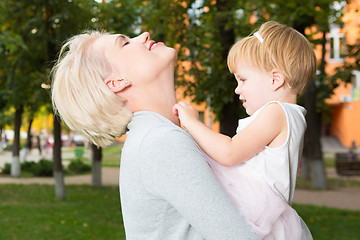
{"x": 202, "y": 32}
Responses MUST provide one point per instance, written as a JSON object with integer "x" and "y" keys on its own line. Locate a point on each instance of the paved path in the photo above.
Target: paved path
{"x": 343, "y": 198}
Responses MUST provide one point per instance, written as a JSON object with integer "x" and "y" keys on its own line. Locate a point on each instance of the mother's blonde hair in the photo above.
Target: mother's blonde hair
{"x": 80, "y": 96}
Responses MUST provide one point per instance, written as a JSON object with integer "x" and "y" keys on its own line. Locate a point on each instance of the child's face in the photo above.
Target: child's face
{"x": 254, "y": 87}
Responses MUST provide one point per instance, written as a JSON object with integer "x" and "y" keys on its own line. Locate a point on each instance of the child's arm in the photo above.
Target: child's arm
{"x": 269, "y": 126}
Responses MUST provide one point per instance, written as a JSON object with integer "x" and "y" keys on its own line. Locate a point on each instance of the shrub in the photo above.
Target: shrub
{"x": 6, "y": 169}
{"x": 77, "y": 166}
{"x": 43, "y": 168}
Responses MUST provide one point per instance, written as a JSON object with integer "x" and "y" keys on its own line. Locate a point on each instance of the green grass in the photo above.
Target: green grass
{"x": 33, "y": 212}
{"x": 328, "y": 223}
{"x": 111, "y": 155}
{"x": 329, "y": 160}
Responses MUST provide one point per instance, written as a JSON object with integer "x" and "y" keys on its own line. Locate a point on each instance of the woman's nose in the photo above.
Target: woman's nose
{"x": 144, "y": 37}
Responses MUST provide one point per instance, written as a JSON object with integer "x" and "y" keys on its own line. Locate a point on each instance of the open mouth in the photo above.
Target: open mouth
{"x": 242, "y": 99}
{"x": 153, "y": 44}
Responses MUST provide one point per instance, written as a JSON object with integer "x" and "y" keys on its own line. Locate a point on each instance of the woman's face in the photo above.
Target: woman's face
{"x": 136, "y": 59}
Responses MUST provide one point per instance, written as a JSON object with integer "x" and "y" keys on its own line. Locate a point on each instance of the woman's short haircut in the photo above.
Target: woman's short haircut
{"x": 283, "y": 48}
{"x": 80, "y": 96}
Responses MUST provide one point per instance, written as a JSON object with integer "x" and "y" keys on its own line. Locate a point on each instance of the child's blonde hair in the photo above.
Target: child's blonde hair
{"x": 283, "y": 48}
{"x": 80, "y": 96}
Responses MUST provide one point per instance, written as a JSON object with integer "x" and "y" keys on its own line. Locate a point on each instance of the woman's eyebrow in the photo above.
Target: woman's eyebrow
{"x": 120, "y": 38}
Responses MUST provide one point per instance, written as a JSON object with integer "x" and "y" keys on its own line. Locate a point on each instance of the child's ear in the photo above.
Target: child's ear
{"x": 278, "y": 79}
{"x": 117, "y": 85}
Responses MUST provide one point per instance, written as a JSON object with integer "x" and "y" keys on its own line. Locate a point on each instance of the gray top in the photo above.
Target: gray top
{"x": 167, "y": 189}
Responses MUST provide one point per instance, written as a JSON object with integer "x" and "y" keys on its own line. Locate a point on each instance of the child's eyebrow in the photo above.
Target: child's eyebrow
{"x": 120, "y": 38}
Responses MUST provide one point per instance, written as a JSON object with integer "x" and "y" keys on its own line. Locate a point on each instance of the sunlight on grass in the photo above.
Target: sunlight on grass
{"x": 112, "y": 154}
{"x": 328, "y": 223}
{"x": 33, "y": 212}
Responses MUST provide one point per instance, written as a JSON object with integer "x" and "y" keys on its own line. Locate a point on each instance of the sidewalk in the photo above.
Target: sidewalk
{"x": 343, "y": 198}
{"x": 110, "y": 175}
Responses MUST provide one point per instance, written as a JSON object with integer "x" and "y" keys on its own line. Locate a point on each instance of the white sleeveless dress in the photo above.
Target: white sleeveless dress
{"x": 263, "y": 186}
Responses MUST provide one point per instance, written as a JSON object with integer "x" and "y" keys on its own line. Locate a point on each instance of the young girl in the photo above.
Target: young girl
{"x": 257, "y": 167}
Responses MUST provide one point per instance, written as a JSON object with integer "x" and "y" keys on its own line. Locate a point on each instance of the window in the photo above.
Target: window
{"x": 337, "y": 44}
{"x": 202, "y": 117}
{"x": 355, "y": 82}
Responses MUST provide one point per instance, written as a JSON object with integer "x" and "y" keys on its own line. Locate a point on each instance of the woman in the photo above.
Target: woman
{"x": 167, "y": 188}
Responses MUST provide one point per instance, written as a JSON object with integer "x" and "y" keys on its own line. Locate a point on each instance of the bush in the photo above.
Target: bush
{"x": 6, "y": 169}
{"x": 77, "y": 166}
{"x": 43, "y": 168}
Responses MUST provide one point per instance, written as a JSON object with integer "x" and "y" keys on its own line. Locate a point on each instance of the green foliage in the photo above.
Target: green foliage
{"x": 6, "y": 169}
{"x": 206, "y": 30}
{"x": 42, "y": 168}
{"x": 118, "y": 16}
{"x": 78, "y": 166}
{"x": 351, "y": 63}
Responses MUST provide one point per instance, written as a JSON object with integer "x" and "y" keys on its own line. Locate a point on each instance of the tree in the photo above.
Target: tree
{"x": 202, "y": 32}
{"x": 209, "y": 30}
{"x": 62, "y": 19}
{"x": 96, "y": 157}
{"x": 19, "y": 77}
{"x": 351, "y": 63}
{"x": 41, "y": 26}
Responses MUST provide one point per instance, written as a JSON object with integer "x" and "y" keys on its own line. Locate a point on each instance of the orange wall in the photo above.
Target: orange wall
{"x": 346, "y": 116}
{"x": 346, "y": 123}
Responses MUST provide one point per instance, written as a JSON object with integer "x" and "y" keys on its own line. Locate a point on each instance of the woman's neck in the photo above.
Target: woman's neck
{"x": 159, "y": 97}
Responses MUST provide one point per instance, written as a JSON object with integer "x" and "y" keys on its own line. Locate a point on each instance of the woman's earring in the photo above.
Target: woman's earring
{"x": 126, "y": 82}
{"x": 117, "y": 85}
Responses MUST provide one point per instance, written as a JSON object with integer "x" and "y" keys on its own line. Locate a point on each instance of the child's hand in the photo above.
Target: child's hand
{"x": 186, "y": 113}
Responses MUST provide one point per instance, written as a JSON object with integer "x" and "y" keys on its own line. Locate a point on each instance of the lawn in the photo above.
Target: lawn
{"x": 329, "y": 223}
{"x": 111, "y": 154}
{"x": 32, "y": 212}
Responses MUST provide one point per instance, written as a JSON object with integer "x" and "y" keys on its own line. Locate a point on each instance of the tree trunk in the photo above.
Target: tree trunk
{"x": 229, "y": 118}
{"x": 60, "y": 191}
{"x": 312, "y": 147}
{"x": 312, "y": 154}
{"x": 96, "y": 157}
{"x": 57, "y": 168}
{"x": 1, "y": 140}
{"x": 28, "y": 144}
{"x": 230, "y": 112}
{"x": 15, "y": 166}
{"x": 312, "y": 162}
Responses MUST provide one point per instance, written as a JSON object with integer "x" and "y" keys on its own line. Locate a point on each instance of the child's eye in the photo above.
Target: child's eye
{"x": 126, "y": 43}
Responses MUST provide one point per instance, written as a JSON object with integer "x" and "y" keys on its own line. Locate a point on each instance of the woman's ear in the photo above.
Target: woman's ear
{"x": 117, "y": 85}
{"x": 278, "y": 79}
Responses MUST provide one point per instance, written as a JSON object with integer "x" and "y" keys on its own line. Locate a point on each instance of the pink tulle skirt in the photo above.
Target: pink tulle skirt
{"x": 266, "y": 211}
